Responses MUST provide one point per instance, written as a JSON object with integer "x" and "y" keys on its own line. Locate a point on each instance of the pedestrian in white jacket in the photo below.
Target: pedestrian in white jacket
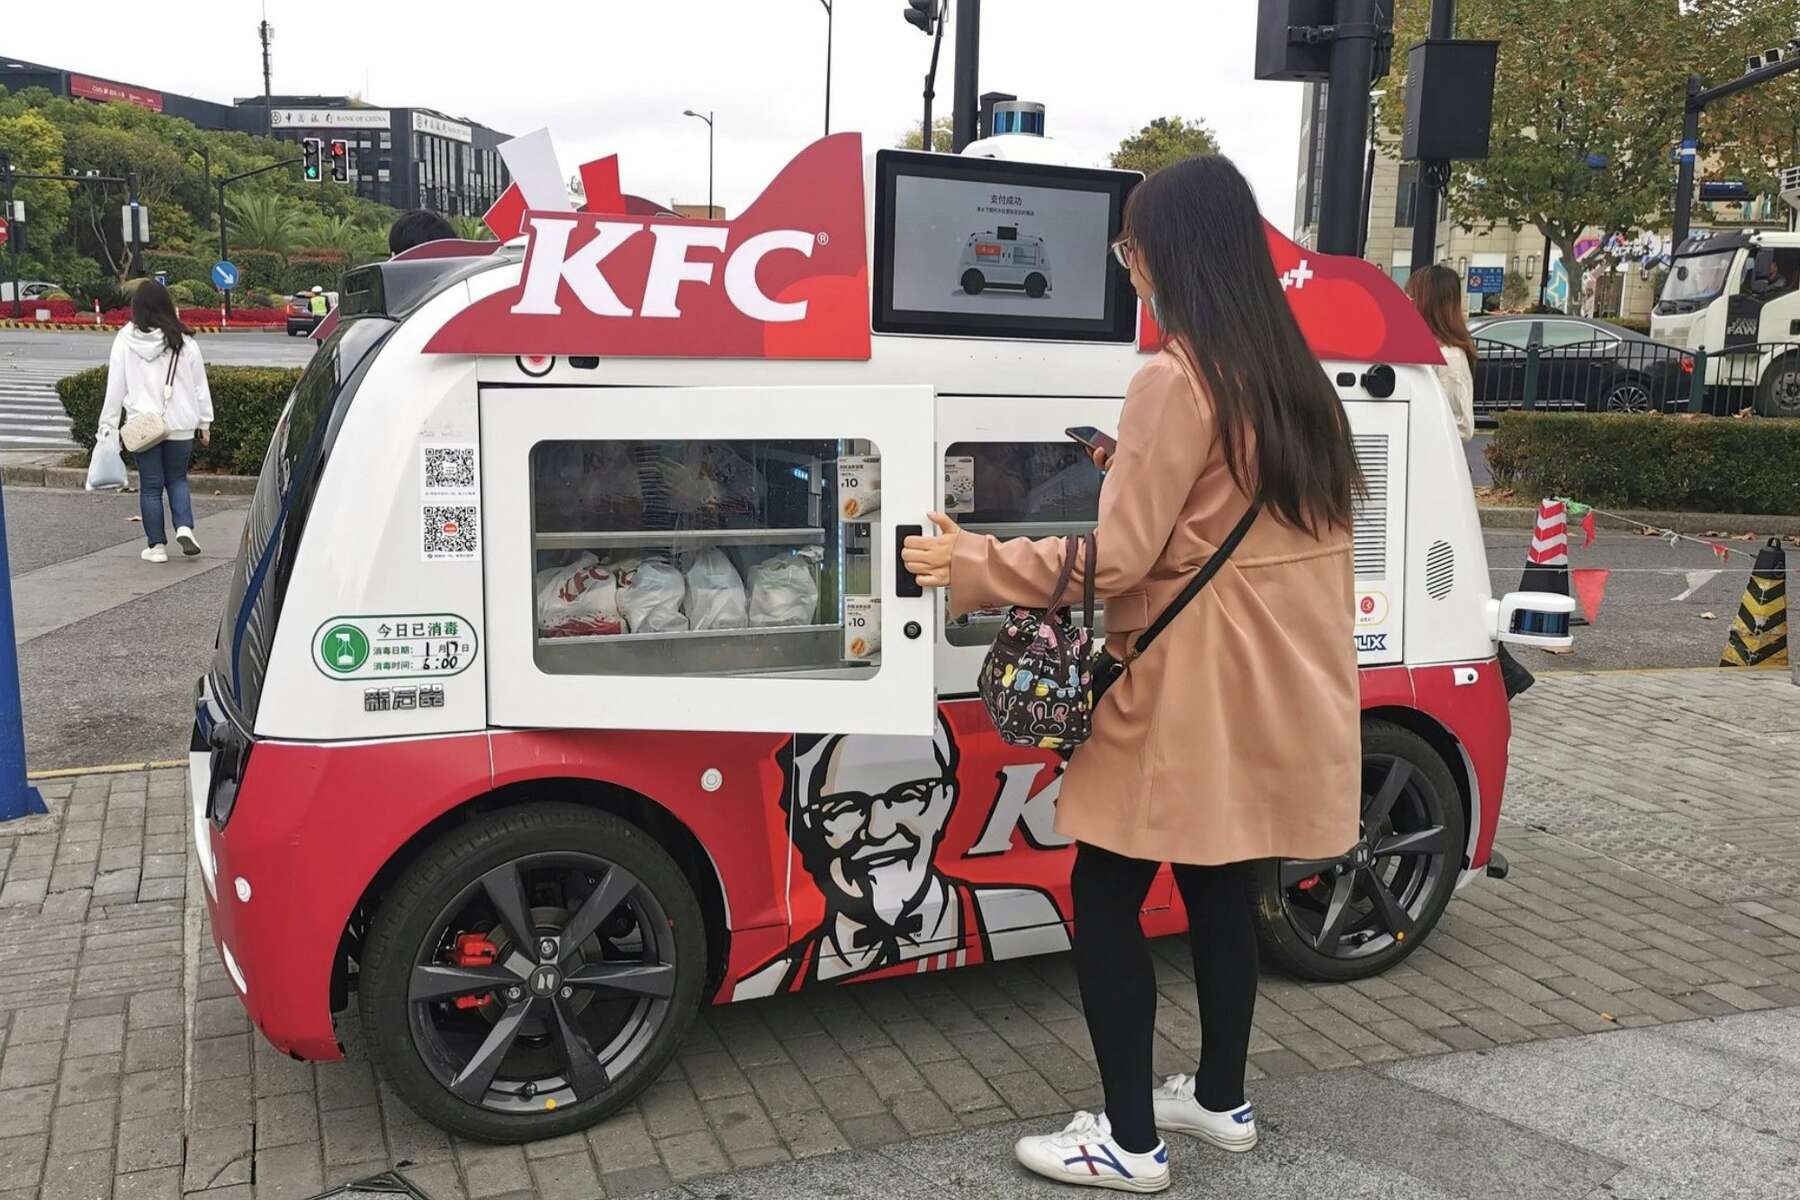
{"x": 1437, "y": 292}
{"x": 155, "y": 353}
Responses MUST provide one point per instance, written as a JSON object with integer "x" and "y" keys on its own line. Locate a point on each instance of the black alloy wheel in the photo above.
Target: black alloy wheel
{"x": 532, "y": 972}
{"x": 1627, "y": 395}
{"x": 1358, "y": 914}
{"x": 973, "y": 281}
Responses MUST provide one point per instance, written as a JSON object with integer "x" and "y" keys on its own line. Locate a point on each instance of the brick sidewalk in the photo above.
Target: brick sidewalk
{"x": 1656, "y": 877}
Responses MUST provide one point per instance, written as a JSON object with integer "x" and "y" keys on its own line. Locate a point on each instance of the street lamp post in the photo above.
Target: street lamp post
{"x": 828, "y": 17}
{"x": 708, "y": 118}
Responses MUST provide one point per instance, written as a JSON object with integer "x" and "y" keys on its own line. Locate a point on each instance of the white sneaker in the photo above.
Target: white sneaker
{"x": 1176, "y": 1108}
{"x": 185, "y": 536}
{"x": 154, "y": 554}
{"x": 1085, "y": 1154}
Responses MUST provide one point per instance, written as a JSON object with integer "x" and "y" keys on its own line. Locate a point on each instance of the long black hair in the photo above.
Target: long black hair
{"x": 153, "y": 311}
{"x": 1195, "y": 228}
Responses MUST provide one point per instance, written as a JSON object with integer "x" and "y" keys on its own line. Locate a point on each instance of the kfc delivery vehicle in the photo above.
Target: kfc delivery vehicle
{"x": 567, "y": 679}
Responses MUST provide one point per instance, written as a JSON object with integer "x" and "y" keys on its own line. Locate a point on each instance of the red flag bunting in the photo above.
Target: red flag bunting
{"x": 1590, "y": 589}
{"x": 1587, "y": 528}
{"x": 1721, "y": 551}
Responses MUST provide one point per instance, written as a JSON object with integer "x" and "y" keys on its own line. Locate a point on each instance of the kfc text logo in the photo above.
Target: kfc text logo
{"x": 787, "y": 278}
{"x": 552, "y": 264}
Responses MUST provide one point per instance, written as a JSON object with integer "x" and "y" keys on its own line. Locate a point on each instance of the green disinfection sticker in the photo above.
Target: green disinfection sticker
{"x": 394, "y": 646}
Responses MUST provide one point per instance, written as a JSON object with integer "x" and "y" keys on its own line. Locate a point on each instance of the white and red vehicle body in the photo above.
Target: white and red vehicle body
{"x": 311, "y": 792}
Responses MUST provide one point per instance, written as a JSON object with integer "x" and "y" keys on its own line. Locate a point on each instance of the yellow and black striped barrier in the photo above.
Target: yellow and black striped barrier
{"x": 1759, "y": 635}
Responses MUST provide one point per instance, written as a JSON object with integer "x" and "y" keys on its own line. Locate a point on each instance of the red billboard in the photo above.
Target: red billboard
{"x": 104, "y": 89}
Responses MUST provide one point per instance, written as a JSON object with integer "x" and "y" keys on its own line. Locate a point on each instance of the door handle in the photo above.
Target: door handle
{"x": 904, "y": 583}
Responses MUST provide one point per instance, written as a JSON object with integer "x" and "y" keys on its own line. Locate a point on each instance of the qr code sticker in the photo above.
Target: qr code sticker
{"x": 451, "y": 532}
{"x": 448, "y": 470}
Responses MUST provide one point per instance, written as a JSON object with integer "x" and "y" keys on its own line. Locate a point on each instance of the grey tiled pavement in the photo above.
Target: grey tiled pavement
{"x": 1653, "y": 823}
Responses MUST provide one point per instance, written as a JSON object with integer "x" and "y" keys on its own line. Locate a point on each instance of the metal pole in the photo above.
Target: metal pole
{"x": 224, "y": 255}
{"x": 12, "y": 241}
{"x": 1434, "y": 174}
{"x": 1346, "y": 124}
{"x": 828, "y": 19}
{"x": 1687, "y": 153}
{"x": 137, "y": 245}
{"x": 17, "y": 797}
{"x": 264, "y": 31}
{"x": 965, "y": 97}
{"x": 709, "y": 164}
{"x": 1368, "y": 192}
{"x": 1544, "y": 274}
{"x": 929, "y": 142}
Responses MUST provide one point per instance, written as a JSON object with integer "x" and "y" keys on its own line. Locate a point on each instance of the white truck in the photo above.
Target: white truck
{"x": 1736, "y": 295}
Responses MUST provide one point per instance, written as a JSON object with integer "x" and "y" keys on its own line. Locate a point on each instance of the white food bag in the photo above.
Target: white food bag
{"x": 784, "y": 589}
{"x": 579, "y": 599}
{"x": 106, "y": 466}
{"x": 650, "y": 595}
{"x": 715, "y": 592}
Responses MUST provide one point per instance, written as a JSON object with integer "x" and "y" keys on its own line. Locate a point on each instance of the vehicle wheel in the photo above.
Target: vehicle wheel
{"x": 973, "y": 281}
{"x": 1779, "y": 394}
{"x": 1036, "y": 285}
{"x": 1358, "y": 915}
{"x": 533, "y": 971}
{"x": 1627, "y": 395}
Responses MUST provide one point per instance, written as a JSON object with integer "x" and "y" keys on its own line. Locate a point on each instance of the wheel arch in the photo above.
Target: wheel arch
{"x": 629, "y": 805}
{"x": 1455, "y": 758}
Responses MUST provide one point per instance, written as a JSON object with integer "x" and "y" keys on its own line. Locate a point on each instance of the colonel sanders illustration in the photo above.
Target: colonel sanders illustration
{"x": 867, "y": 815}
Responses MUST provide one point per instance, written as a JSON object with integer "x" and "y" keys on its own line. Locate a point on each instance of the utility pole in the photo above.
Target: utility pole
{"x": 1434, "y": 175}
{"x": 1346, "y": 124}
{"x": 1698, "y": 97}
{"x": 965, "y": 95}
{"x": 937, "y": 44}
{"x": 264, "y": 30}
{"x": 828, "y": 16}
{"x": 12, "y": 242}
{"x": 137, "y": 242}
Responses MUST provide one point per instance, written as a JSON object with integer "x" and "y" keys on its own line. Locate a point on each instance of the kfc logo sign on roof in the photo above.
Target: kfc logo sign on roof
{"x": 787, "y": 279}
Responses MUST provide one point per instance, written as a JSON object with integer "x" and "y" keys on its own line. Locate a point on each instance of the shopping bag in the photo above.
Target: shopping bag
{"x": 106, "y": 467}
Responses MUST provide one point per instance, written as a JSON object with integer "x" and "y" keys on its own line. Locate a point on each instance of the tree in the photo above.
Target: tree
{"x": 346, "y": 235}
{"x": 471, "y": 229}
{"x": 943, "y": 137}
{"x": 1587, "y": 107}
{"x": 1515, "y": 293}
{"x": 1163, "y": 141}
{"x": 264, "y": 222}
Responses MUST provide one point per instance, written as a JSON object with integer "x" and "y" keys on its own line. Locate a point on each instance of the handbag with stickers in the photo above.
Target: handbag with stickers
{"x": 144, "y": 429}
{"x": 1036, "y": 679}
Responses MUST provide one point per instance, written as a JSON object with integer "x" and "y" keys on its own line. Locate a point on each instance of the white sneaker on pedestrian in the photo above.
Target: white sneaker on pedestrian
{"x": 1086, "y": 1155}
{"x": 1176, "y": 1108}
{"x": 185, "y": 536}
{"x": 154, "y": 554}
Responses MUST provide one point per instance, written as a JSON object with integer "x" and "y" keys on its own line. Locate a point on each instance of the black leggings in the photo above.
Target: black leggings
{"x": 1118, "y": 984}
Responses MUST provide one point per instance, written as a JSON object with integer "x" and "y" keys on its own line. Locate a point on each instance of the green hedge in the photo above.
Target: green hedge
{"x": 180, "y": 268}
{"x": 259, "y": 269}
{"x": 246, "y": 403}
{"x": 1675, "y": 463}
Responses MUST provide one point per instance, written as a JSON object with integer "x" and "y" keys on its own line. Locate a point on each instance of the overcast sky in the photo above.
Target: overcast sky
{"x": 615, "y": 76}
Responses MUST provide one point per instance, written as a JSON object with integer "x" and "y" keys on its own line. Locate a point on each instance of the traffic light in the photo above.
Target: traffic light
{"x": 922, "y": 13}
{"x": 340, "y": 160}
{"x": 309, "y": 160}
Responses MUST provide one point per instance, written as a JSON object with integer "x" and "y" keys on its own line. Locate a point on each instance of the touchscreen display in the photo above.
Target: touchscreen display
{"x": 975, "y": 247}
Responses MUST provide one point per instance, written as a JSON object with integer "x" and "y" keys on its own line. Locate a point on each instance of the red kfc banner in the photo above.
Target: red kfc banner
{"x": 1349, "y": 309}
{"x": 786, "y": 279}
{"x": 90, "y": 88}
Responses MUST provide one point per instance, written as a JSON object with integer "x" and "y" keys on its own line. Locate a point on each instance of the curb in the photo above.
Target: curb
{"x": 1763, "y": 524}
{"x": 89, "y": 327}
{"x": 75, "y": 479}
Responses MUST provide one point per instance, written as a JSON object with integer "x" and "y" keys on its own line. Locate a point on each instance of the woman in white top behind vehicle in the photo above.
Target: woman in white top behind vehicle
{"x": 1437, "y": 292}
{"x": 135, "y": 376}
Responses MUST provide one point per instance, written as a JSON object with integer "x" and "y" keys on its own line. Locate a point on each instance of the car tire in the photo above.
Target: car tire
{"x": 1627, "y": 394}
{"x": 973, "y": 281}
{"x": 1424, "y": 829}
{"x": 540, "y": 1012}
{"x": 1036, "y": 285}
{"x": 1778, "y": 395}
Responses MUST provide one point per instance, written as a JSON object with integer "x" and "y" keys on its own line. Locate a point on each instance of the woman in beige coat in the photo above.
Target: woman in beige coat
{"x": 1235, "y": 736}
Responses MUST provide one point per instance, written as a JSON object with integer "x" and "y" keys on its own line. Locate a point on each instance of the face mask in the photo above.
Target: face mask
{"x": 1155, "y": 310}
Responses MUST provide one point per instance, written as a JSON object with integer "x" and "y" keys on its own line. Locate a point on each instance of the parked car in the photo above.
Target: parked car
{"x": 1582, "y": 364}
{"x": 301, "y": 319}
{"x": 29, "y": 290}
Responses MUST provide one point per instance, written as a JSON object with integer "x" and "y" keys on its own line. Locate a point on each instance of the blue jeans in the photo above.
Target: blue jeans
{"x": 164, "y": 467}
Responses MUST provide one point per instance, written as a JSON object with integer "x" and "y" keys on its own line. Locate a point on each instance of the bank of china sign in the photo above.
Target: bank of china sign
{"x": 330, "y": 118}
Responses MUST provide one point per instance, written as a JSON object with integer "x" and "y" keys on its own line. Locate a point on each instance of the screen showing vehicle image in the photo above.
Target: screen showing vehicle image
{"x": 976, "y": 247}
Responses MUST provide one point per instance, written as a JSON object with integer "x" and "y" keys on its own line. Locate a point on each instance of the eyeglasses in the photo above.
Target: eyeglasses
{"x": 1121, "y": 252}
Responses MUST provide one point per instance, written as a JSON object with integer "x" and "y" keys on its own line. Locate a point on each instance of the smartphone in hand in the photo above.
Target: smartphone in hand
{"x": 1093, "y": 439}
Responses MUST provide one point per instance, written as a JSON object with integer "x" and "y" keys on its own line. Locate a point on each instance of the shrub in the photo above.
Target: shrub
{"x": 195, "y": 292}
{"x": 246, "y": 403}
{"x": 258, "y": 269}
{"x": 106, "y": 291}
{"x": 1681, "y": 464}
{"x": 181, "y": 268}
{"x": 303, "y": 276}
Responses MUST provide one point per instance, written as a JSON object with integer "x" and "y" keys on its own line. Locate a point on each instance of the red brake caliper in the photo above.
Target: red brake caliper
{"x": 474, "y": 950}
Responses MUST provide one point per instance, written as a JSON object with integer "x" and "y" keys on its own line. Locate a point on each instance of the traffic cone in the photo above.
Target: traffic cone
{"x": 1758, "y": 636}
{"x": 1547, "y": 558}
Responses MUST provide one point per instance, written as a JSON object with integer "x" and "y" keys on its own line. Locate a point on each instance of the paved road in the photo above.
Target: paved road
{"x": 1617, "y": 1019}
{"x": 31, "y": 415}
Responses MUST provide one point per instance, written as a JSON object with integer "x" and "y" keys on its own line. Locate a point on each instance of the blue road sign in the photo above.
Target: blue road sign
{"x": 1487, "y": 281}
{"x": 162, "y": 277}
{"x": 224, "y": 275}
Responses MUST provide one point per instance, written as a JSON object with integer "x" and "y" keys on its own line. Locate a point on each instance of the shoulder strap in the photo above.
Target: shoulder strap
{"x": 1201, "y": 578}
{"x": 1071, "y": 547}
